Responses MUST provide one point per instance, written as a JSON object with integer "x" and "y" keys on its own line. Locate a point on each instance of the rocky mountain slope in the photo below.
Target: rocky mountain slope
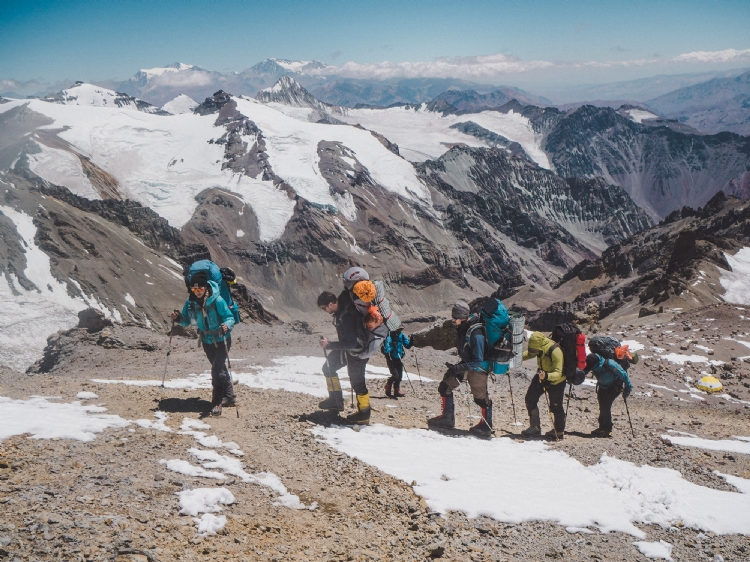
{"x": 289, "y": 204}
{"x": 720, "y": 104}
{"x": 679, "y": 264}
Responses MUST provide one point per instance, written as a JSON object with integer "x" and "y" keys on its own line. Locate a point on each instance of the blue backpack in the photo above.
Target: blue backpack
{"x": 223, "y": 277}
{"x": 495, "y": 324}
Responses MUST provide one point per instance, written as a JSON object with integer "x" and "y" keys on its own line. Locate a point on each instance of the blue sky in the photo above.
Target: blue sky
{"x": 575, "y": 40}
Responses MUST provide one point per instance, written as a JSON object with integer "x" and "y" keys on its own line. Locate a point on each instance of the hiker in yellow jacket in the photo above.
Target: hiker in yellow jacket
{"x": 548, "y": 378}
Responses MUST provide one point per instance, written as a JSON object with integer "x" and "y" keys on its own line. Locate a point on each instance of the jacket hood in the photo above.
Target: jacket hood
{"x": 538, "y": 340}
{"x": 214, "y": 292}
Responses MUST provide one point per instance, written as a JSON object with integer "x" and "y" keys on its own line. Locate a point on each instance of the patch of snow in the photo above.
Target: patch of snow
{"x": 661, "y": 549}
{"x": 633, "y": 345}
{"x": 638, "y": 115}
{"x": 680, "y": 359}
{"x": 62, "y": 167}
{"x": 29, "y": 317}
{"x": 47, "y": 420}
{"x": 618, "y": 493}
{"x": 728, "y": 445}
{"x": 158, "y": 425}
{"x": 181, "y": 104}
{"x": 210, "y": 524}
{"x": 240, "y": 233}
{"x": 85, "y": 395}
{"x": 130, "y": 299}
{"x": 212, "y": 459}
{"x": 735, "y": 282}
{"x": 189, "y": 426}
{"x": 204, "y": 500}
{"x": 184, "y": 467}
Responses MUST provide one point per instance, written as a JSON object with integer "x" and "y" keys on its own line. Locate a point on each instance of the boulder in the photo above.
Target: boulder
{"x": 93, "y": 320}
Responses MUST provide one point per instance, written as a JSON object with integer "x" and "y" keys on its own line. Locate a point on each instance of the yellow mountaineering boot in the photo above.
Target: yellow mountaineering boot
{"x": 362, "y": 416}
{"x": 335, "y": 400}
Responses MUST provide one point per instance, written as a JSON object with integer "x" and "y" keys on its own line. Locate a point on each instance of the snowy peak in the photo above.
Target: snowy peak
{"x": 281, "y": 67}
{"x": 288, "y": 92}
{"x": 179, "y": 105}
{"x": 149, "y": 73}
{"x": 82, "y": 93}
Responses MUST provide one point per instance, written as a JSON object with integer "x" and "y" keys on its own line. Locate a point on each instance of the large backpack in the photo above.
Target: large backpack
{"x": 223, "y": 277}
{"x": 571, "y": 342}
{"x": 495, "y": 323}
{"x": 611, "y": 348}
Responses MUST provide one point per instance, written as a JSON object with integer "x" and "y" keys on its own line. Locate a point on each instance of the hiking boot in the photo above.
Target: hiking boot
{"x": 446, "y": 420}
{"x": 397, "y": 390}
{"x": 216, "y": 410}
{"x": 362, "y": 415}
{"x": 484, "y": 427}
{"x": 228, "y": 402}
{"x": 599, "y": 432}
{"x": 335, "y": 400}
{"x": 388, "y": 388}
{"x": 553, "y": 435}
{"x": 535, "y": 425}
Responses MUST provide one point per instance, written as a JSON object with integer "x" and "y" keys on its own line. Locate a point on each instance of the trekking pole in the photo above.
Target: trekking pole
{"x": 229, "y": 372}
{"x": 550, "y": 414}
{"x": 408, "y": 378}
{"x": 628, "y": 411}
{"x": 510, "y": 386}
{"x": 567, "y": 404}
{"x": 416, "y": 361}
{"x": 169, "y": 352}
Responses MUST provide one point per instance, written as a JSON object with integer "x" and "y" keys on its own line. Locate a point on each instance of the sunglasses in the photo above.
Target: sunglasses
{"x": 197, "y": 289}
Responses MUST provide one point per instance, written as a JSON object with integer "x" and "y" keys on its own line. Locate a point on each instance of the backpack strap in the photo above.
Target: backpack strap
{"x": 551, "y": 349}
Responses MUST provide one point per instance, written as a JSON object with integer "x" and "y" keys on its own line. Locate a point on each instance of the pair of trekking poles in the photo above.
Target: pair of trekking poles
{"x": 625, "y": 400}
{"x": 166, "y": 365}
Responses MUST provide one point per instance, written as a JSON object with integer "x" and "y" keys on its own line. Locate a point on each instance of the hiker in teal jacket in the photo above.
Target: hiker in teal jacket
{"x": 610, "y": 378}
{"x": 209, "y": 313}
{"x": 393, "y": 349}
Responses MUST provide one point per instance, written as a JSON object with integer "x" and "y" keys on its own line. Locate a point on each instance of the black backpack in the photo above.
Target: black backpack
{"x": 605, "y": 346}
{"x": 565, "y": 337}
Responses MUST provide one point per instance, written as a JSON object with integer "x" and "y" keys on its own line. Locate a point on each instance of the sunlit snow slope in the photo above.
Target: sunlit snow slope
{"x": 422, "y": 134}
{"x": 164, "y": 161}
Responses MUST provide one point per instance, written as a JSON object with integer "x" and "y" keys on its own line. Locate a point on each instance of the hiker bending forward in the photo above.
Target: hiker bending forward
{"x": 206, "y": 310}
{"x": 354, "y": 347}
{"x": 471, "y": 346}
{"x": 610, "y": 379}
{"x": 548, "y": 378}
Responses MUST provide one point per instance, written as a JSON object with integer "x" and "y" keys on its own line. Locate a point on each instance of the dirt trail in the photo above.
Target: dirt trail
{"x": 111, "y": 499}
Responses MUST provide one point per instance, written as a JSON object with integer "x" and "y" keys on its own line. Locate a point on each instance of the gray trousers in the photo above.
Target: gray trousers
{"x": 355, "y": 368}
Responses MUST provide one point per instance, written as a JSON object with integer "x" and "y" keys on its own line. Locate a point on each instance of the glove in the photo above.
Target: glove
{"x": 224, "y": 328}
{"x": 456, "y": 370}
{"x": 176, "y": 316}
{"x": 626, "y": 393}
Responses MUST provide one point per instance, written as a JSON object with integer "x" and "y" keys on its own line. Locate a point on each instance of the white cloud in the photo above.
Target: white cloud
{"x": 727, "y": 55}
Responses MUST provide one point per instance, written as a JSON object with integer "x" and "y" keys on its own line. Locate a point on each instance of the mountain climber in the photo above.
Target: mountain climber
{"x": 206, "y": 310}
{"x": 393, "y": 349}
{"x": 610, "y": 379}
{"x": 471, "y": 344}
{"x": 548, "y": 379}
{"x": 355, "y": 346}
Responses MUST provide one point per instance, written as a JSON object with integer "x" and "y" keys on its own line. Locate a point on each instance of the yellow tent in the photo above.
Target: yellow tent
{"x": 709, "y": 384}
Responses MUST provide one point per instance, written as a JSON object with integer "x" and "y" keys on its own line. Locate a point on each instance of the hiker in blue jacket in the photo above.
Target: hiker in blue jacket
{"x": 610, "y": 378}
{"x": 393, "y": 349}
{"x": 206, "y": 310}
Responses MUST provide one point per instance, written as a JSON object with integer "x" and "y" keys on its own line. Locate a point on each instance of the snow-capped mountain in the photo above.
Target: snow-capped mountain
{"x": 288, "y": 92}
{"x": 179, "y": 105}
{"x": 95, "y": 96}
{"x": 282, "y": 66}
{"x": 283, "y": 201}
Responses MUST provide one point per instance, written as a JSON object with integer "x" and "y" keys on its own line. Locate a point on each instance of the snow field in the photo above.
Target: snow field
{"x": 421, "y": 134}
{"x": 293, "y": 374}
{"x": 62, "y": 168}
{"x": 638, "y": 115}
{"x": 29, "y": 317}
{"x": 42, "y": 419}
{"x": 470, "y": 475}
{"x": 181, "y": 104}
{"x": 735, "y": 282}
{"x": 735, "y": 445}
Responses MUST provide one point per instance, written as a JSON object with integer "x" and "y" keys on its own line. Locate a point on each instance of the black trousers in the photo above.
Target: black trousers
{"x": 220, "y": 380}
{"x": 556, "y": 393}
{"x": 396, "y": 367}
{"x": 355, "y": 368}
{"x": 606, "y": 397}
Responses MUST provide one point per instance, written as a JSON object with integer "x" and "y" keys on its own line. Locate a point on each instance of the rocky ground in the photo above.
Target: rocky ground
{"x": 111, "y": 499}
